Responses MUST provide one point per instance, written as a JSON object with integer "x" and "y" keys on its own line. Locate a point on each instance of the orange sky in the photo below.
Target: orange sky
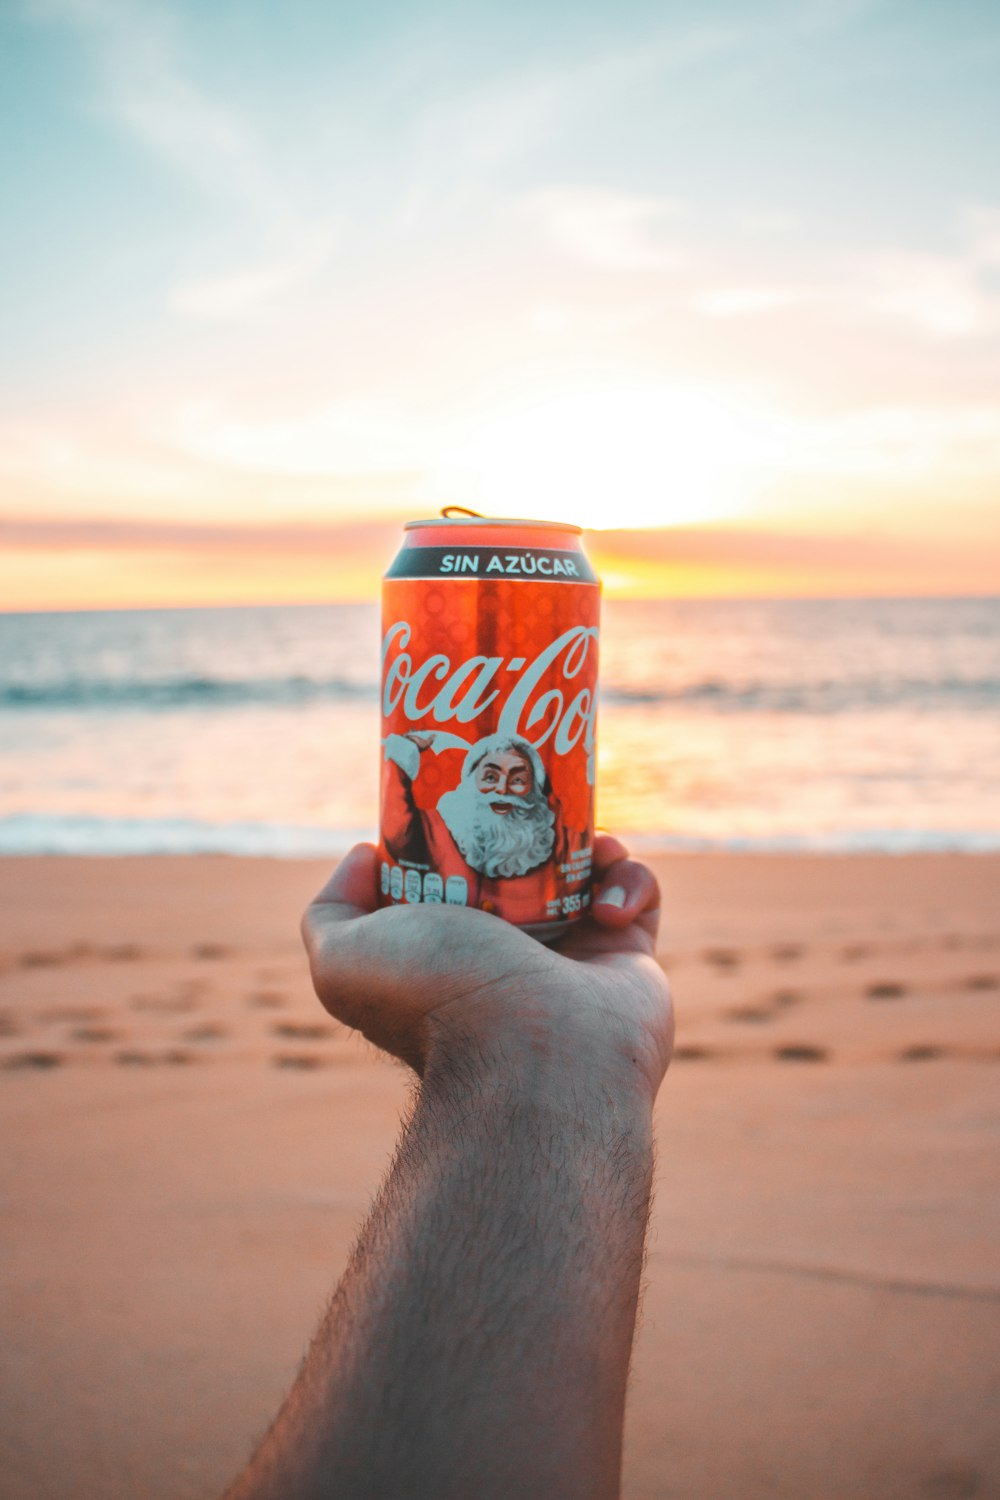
{"x": 81, "y": 565}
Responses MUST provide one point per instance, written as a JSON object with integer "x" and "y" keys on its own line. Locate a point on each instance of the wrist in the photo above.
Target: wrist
{"x": 558, "y": 1056}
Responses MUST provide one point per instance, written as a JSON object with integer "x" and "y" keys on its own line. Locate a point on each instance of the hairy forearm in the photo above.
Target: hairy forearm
{"x": 479, "y": 1342}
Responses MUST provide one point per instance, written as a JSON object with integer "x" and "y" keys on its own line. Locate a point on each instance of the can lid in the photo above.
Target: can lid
{"x": 457, "y": 515}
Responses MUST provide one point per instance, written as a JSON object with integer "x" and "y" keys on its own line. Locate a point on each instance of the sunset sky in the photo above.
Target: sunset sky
{"x": 274, "y": 276}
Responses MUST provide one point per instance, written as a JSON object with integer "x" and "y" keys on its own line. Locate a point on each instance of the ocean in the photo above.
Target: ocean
{"x": 771, "y": 725}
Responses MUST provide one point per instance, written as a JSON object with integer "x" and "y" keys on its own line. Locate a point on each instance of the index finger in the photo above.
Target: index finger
{"x": 626, "y": 891}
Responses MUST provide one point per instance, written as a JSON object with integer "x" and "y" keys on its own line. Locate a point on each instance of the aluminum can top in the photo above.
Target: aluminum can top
{"x": 477, "y": 521}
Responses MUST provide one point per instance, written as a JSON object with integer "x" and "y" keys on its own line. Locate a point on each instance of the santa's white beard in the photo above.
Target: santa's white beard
{"x": 506, "y": 844}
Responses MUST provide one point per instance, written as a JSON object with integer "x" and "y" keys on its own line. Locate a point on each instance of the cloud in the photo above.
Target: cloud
{"x": 73, "y": 465}
{"x": 266, "y": 560}
{"x": 361, "y": 434}
{"x": 145, "y": 88}
{"x": 842, "y": 556}
{"x": 822, "y": 16}
{"x": 503, "y": 111}
{"x": 770, "y": 547}
{"x": 235, "y": 293}
{"x": 938, "y": 294}
{"x": 722, "y": 543}
{"x": 136, "y": 48}
{"x": 99, "y": 534}
{"x": 748, "y": 301}
{"x": 611, "y": 230}
{"x": 905, "y": 442}
{"x": 949, "y": 295}
{"x": 557, "y": 319}
{"x": 981, "y": 223}
{"x": 71, "y": 457}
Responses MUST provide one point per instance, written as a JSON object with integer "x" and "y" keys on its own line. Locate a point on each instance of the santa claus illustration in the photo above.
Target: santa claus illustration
{"x": 496, "y": 830}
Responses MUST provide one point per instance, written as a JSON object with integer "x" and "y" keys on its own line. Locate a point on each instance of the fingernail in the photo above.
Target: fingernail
{"x": 613, "y": 896}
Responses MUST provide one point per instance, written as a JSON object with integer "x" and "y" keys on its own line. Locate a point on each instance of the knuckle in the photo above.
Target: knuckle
{"x": 308, "y": 930}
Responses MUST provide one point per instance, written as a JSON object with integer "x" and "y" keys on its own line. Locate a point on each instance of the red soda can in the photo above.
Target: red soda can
{"x": 489, "y": 707}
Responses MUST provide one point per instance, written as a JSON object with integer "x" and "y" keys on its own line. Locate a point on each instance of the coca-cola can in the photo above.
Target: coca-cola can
{"x": 489, "y": 706}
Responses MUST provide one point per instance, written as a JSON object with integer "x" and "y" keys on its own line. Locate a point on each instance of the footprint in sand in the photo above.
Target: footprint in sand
{"x": 780, "y": 1000}
{"x": 207, "y": 1033}
{"x": 754, "y": 1013}
{"x": 301, "y": 1060}
{"x": 209, "y": 951}
{"x": 801, "y": 1052}
{"x": 921, "y": 1052}
{"x": 982, "y": 982}
{"x": 959, "y": 1483}
{"x": 303, "y": 1031}
{"x": 134, "y": 1059}
{"x": 786, "y": 952}
{"x": 94, "y": 1034}
{"x": 39, "y": 960}
{"x": 71, "y": 1013}
{"x": 169, "y": 1004}
{"x": 122, "y": 953}
{"x": 885, "y": 989}
{"x": 270, "y": 975}
{"x": 723, "y": 958}
{"x": 267, "y": 999}
{"x": 39, "y": 1060}
{"x": 196, "y": 985}
{"x": 693, "y": 1052}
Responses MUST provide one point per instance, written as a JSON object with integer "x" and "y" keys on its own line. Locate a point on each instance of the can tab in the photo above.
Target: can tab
{"x": 460, "y": 510}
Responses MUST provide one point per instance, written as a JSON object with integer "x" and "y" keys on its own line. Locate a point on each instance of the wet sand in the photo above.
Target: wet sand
{"x": 191, "y": 1144}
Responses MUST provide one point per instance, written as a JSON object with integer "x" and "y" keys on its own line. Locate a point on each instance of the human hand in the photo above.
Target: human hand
{"x": 433, "y": 982}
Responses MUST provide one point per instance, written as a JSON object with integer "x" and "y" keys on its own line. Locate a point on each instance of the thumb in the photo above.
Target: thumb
{"x": 350, "y": 892}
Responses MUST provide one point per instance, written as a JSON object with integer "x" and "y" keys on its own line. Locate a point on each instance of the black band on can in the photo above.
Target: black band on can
{"x": 545, "y": 563}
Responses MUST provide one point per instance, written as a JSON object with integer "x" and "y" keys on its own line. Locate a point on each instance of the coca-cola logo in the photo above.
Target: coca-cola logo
{"x": 440, "y": 690}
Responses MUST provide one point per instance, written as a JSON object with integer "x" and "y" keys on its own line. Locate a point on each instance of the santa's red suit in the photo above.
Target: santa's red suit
{"x": 419, "y": 838}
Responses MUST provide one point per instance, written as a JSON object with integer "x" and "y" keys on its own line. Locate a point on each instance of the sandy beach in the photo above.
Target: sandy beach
{"x": 191, "y": 1144}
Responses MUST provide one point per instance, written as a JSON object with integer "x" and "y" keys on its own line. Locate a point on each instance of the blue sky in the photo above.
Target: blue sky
{"x": 317, "y": 260}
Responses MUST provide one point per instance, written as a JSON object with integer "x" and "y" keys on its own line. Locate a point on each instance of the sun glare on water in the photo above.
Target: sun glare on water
{"x": 624, "y": 456}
